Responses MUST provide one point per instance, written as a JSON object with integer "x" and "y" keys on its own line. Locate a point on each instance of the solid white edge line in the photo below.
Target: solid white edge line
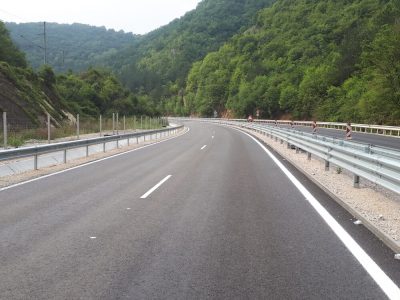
{"x": 377, "y": 274}
{"x": 149, "y": 192}
{"x": 89, "y": 163}
{"x": 202, "y": 148}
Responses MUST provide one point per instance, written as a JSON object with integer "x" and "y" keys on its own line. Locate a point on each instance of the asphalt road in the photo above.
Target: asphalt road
{"x": 224, "y": 223}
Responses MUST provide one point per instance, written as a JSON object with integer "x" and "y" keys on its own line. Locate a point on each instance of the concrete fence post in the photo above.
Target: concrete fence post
{"x": 113, "y": 123}
{"x": 100, "y": 126}
{"x": 5, "y": 129}
{"x": 77, "y": 126}
{"x": 48, "y": 129}
{"x": 117, "y": 124}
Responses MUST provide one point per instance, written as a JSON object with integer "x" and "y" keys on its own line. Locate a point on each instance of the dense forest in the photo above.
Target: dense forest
{"x": 27, "y": 95}
{"x": 329, "y": 60}
{"x": 321, "y": 59}
{"x": 69, "y": 47}
{"x": 160, "y": 62}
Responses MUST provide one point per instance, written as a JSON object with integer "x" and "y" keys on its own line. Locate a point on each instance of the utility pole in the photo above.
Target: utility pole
{"x": 45, "y": 43}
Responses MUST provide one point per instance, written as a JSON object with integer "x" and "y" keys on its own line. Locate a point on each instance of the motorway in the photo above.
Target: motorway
{"x": 207, "y": 215}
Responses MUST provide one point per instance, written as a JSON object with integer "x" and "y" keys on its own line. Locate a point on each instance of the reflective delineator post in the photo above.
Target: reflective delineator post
{"x": 314, "y": 127}
{"x": 349, "y": 131}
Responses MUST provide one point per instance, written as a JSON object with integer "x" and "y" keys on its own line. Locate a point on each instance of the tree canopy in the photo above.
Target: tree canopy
{"x": 331, "y": 60}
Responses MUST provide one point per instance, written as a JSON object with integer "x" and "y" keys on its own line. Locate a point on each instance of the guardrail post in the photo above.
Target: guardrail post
{"x": 308, "y": 156}
{"x": 65, "y": 156}
{"x": 87, "y": 150}
{"x": 5, "y": 129}
{"x": 356, "y": 181}
{"x": 288, "y": 145}
{"x": 326, "y": 165}
{"x": 35, "y": 162}
{"x": 297, "y": 150}
{"x": 104, "y": 147}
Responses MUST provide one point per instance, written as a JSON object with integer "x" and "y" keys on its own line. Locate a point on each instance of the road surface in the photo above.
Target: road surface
{"x": 207, "y": 215}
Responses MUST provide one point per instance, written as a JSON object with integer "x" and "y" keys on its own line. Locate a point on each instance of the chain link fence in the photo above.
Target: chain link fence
{"x": 14, "y": 133}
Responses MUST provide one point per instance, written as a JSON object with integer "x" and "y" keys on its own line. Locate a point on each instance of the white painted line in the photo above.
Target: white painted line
{"x": 92, "y": 237}
{"x": 204, "y": 147}
{"x": 212, "y": 137}
{"x": 128, "y": 208}
{"x": 89, "y": 163}
{"x": 377, "y": 274}
{"x": 155, "y": 187}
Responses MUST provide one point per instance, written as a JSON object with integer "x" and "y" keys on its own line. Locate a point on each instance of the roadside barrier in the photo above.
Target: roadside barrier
{"x": 36, "y": 151}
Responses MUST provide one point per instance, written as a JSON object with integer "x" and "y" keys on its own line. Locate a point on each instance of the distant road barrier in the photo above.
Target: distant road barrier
{"x": 36, "y": 151}
{"x": 377, "y": 164}
{"x": 393, "y": 131}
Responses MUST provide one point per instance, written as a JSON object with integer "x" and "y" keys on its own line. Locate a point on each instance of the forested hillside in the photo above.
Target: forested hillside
{"x": 69, "y": 47}
{"x": 330, "y": 60}
{"x": 158, "y": 65}
{"x": 321, "y": 59}
{"x": 27, "y": 95}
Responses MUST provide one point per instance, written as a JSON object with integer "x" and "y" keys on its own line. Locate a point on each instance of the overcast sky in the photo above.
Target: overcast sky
{"x": 137, "y": 16}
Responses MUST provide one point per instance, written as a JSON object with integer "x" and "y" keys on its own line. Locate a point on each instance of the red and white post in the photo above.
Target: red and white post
{"x": 314, "y": 127}
{"x": 349, "y": 131}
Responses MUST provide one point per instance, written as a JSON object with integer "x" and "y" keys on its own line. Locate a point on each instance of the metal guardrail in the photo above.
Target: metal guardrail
{"x": 36, "y": 151}
{"x": 392, "y": 131}
{"x": 377, "y": 164}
